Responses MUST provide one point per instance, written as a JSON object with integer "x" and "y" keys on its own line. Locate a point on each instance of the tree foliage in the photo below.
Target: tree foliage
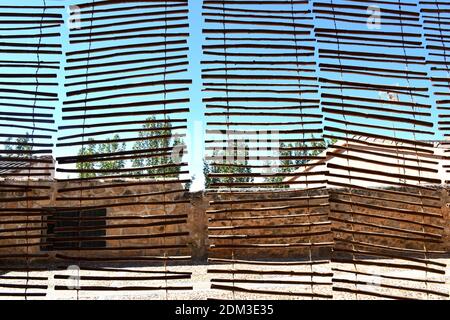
{"x": 159, "y": 147}
{"x": 233, "y": 160}
{"x": 19, "y": 146}
{"x": 111, "y": 146}
{"x": 294, "y": 155}
{"x": 88, "y": 150}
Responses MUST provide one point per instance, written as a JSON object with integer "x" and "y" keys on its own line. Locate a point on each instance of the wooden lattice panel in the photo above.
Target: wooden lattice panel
{"x": 260, "y": 93}
{"x": 124, "y": 121}
{"x": 31, "y": 54}
{"x": 263, "y": 124}
{"x": 300, "y": 96}
{"x": 268, "y": 244}
{"x": 435, "y": 16}
{"x": 376, "y": 104}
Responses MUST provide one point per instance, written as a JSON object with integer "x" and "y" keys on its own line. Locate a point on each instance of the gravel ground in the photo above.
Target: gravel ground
{"x": 200, "y": 281}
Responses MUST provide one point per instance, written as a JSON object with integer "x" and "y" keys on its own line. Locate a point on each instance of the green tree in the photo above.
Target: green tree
{"x": 20, "y": 145}
{"x": 294, "y": 155}
{"x": 206, "y": 172}
{"x": 159, "y": 146}
{"x": 111, "y": 147}
{"x": 88, "y": 150}
{"x": 239, "y": 155}
{"x": 188, "y": 184}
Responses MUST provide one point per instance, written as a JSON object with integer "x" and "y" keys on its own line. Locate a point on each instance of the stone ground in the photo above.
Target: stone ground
{"x": 200, "y": 281}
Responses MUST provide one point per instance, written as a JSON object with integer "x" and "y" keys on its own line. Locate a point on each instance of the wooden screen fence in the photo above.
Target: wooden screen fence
{"x": 322, "y": 157}
{"x": 125, "y": 99}
{"x": 124, "y": 72}
{"x": 261, "y": 95}
{"x": 31, "y": 53}
{"x": 356, "y": 66}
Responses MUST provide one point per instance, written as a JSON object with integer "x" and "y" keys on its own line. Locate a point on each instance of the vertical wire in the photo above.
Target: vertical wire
{"x": 442, "y": 37}
{"x": 347, "y": 151}
{"x": 31, "y": 146}
{"x": 417, "y": 156}
{"x": 228, "y": 141}
{"x": 393, "y": 123}
{"x": 82, "y": 141}
{"x": 443, "y": 44}
{"x": 308, "y": 209}
{"x": 165, "y": 125}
